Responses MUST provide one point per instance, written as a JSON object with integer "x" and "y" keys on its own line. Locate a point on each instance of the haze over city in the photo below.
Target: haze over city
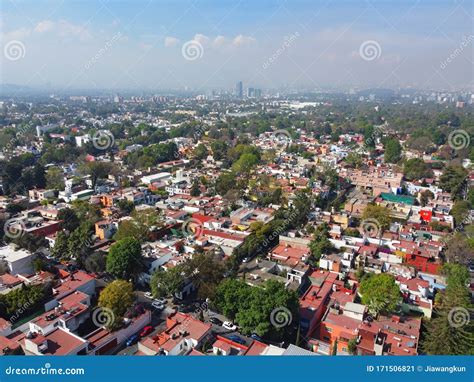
{"x": 212, "y": 44}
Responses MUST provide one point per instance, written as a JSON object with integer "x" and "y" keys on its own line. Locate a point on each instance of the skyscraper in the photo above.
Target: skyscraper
{"x": 239, "y": 90}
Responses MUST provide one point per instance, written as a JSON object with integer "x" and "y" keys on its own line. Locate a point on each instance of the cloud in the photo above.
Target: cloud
{"x": 17, "y": 34}
{"x": 243, "y": 40}
{"x": 202, "y": 39}
{"x": 219, "y": 41}
{"x": 171, "y": 41}
{"x": 44, "y": 26}
{"x": 63, "y": 29}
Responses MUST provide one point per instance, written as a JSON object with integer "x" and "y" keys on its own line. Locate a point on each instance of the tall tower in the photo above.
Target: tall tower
{"x": 239, "y": 90}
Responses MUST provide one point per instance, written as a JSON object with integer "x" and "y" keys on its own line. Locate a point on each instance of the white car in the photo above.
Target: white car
{"x": 148, "y": 295}
{"x": 229, "y": 325}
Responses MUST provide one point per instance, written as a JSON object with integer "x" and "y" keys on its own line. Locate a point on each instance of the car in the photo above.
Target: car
{"x": 237, "y": 339}
{"x": 146, "y": 330}
{"x": 131, "y": 340}
{"x": 245, "y": 259}
{"x": 215, "y": 321}
{"x": 148, "y": 295}
{"x": 256, "y": 337}
{"x": 157, "y": 305}
{"x": 160, "y": 300}
{"x": 229, "y": 325}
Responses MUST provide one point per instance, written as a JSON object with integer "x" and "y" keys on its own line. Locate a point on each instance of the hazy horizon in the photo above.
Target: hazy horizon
{"x": 212, "y": 44}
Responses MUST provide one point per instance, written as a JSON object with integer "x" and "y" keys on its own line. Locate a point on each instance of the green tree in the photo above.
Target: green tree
{"x": 97, "y": 170}
{"x": 200, "y": 152}
{"x": 69, "y": 219}
{"x": 393, "y": 151}
{"x": 416, "y": 168}
{"x": 205, "y": 271}
{"x": 320, "y": 243}
{"x": 378, "y": 213}
{"x": 59, "y": 250}
{"x": 380, "y": 293}
{"x": 354, "y": 160}
{"x": 55, "y": 178}
{"x": 124, "y": 259}
{"x": 195, "y": 191}
{"x": 425, "y": 197}
{"x": 458, "y": 250}
{"x": 451, "y": 331}
{"x": 258, "y": 310}
{"x": 116, "y": 297}
{"x": 167, "y": 283}
{"x": 140, "y": 225}
{"x": 460, "y": 211}
{"x": 453, "y": 180}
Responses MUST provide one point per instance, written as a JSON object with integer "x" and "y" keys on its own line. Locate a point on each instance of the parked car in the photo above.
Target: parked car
{"x": 133, "y": 339}
{"x": 146, "y": 330}
{"x": 157, "y": 305}
{"x": 237, "y": 339}
{"x": 256, "y": 337}
{"x": 148, "y": 295}
{"x": 215, "y": 321}
{"x": 161, "y": 300}
{"x": 229, "y": 325}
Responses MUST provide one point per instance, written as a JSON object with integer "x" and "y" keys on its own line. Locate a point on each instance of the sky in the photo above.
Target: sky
{"x": 208, "y": 44}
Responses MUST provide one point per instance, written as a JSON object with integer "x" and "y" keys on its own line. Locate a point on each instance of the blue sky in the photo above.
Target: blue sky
{"x": 139, "y": 44}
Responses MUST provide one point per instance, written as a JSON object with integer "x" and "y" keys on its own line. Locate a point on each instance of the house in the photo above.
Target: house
{"x": 71, "y": 312}
{"x": 72, "y": 282}
{"x": 57, "y": 342}
{"x": 19, "y": 261}
{"x": 182, "y": 334}
{"x": 225, "y": 346}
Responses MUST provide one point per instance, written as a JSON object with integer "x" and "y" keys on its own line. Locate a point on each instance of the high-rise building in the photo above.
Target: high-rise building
{"x": 239, "y": 90}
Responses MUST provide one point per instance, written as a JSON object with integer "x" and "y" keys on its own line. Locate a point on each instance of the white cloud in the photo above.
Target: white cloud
{"x": 243, "y": 40}
{"x": 219, "y": 41}
{"x": 202, "y": 39}
{"x": 44, "y": 26}
{"x": 171, "y": 41}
